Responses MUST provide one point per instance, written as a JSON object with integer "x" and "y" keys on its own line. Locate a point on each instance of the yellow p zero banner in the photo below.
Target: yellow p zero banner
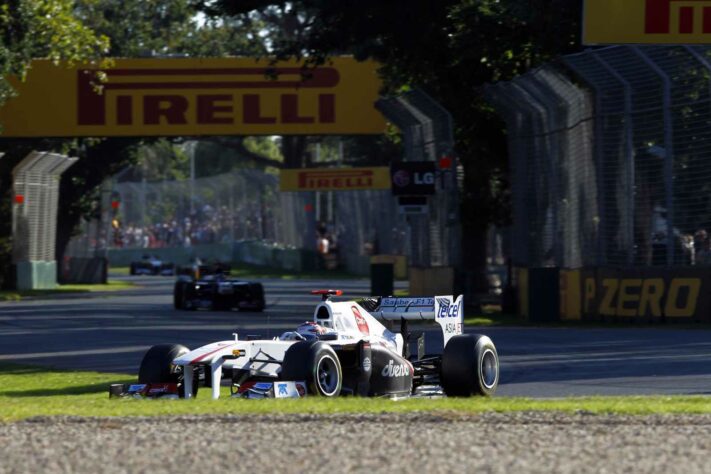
{"x": 334, "y": 179}
{"x": 647, "y": 21}
{"x": 188, "y": 97}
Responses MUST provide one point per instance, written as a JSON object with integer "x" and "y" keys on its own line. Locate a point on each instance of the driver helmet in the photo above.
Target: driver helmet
{"x": 311, "y": 331}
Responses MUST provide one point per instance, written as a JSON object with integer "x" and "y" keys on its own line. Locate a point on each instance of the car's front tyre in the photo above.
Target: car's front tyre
{"x": 317, "y": 364}
{"x": 157, "y": 367}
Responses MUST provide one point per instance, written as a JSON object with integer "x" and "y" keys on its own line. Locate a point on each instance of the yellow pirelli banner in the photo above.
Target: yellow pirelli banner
{"x": 647, "y": 21}
{"x": 334, "y": 179}
{"x": 194, "y": 97}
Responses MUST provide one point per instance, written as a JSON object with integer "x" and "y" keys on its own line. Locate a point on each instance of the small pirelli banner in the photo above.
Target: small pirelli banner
{"x": 334, "y": 179}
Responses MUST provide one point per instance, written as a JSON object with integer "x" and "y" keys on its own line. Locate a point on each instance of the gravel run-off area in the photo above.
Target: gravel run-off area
{"x": 542, "y": 442}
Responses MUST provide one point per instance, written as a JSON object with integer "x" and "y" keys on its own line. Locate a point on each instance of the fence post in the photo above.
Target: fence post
{"x": 629, "y": 147}
{"x": 668, "y": 150}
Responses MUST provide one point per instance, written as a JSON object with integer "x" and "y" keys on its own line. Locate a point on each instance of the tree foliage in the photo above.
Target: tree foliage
{"x": 42, "y": 29}
{"x": 450, "y": 48}
{"x": 84, "y": 30}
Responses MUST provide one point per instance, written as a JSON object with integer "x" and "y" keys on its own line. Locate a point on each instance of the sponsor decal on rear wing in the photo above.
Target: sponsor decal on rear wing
{"x": 444, "y": 310}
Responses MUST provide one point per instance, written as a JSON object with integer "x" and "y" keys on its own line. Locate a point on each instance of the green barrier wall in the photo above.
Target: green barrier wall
{"x": 250, "y": 252}
{"x": 36, "y": 275}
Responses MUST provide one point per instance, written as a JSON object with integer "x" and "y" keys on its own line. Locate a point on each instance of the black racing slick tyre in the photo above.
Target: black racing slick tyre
{"x": 257, "y": 291}
{"x": 132, "y": 270}
{"x": 157, "y": 367}
{"x": 178, "y": 291}
{"x": 317, "y": 364}
{"x": 470, "y": 366}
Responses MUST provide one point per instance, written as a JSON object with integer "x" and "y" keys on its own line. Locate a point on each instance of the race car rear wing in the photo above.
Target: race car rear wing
{"x": 444, "y": 310}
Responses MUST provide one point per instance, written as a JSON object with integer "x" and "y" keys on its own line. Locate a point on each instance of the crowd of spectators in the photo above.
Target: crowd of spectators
{"x": 689, "y": 249}
{"x": 204, "y": 226}
{"x": 698, "y": 247}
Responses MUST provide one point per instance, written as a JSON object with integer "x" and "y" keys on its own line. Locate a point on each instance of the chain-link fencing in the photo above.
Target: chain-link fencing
{"x": 243, "y": 205}
{"x": 34, "y": 218}
{"x": 610, "y": 155}
{"x": 427, "y": 131}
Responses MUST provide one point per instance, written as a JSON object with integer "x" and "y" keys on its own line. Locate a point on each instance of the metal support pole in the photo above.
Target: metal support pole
{"x": 629, "y": 152}
{"x": 601, "y": 243}
{"x": 554, "y": 163}
{"x": 668, "y": 148}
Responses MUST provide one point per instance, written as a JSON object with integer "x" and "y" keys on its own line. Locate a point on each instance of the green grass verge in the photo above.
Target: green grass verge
{"x": 112, "y": 285}
{"x": 32, "y": 391}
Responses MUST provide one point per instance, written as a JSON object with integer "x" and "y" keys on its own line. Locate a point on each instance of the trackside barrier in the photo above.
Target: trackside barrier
{"x": 639, "y": 294}
{"x": 249, "y": 252}
{"x": 399, "y": 263}
{"x": 34, "y": 218}
{"x": 645, "y": 295}
{"x": 431, "y": 281}
{"x": 538, "y": 297}
{"x": 91, "y": 270}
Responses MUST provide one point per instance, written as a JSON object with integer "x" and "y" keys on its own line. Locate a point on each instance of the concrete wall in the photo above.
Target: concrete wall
{"x": 36, "y": 275}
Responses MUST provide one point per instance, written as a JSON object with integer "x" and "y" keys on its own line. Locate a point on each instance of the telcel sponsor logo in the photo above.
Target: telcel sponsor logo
{"x": 447, "y": 309}
{"x": 630, "y": 297}
{"x": 395, "y": 370}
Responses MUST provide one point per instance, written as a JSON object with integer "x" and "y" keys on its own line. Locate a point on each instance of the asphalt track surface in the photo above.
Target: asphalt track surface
{"x": 110, "y": 332}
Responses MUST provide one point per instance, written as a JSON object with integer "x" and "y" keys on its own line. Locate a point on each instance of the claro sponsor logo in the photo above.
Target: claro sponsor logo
{"x": 360, "y": 321}
{"x": 339, "y": 179}
{"x": 173, "y": 96}
{"x": 677, "y": 16}
{"x": 629, "y": 297}
{"x": 395, "y": 370}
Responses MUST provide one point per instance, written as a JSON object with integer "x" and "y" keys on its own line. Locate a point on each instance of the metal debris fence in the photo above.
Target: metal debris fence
{"x": 610, "y": 154}
{"x": 243, "y": 205}
{"x": 427, "y": 131}
{"x": 34, "y": 217}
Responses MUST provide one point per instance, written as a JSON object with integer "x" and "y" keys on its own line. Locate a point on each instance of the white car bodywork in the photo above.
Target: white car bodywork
{"x": 351, "y": 322}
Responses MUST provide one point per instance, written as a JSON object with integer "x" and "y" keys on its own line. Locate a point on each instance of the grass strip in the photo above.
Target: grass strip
{"x": 32, "y": 391}
{"x": 112, "y": 285}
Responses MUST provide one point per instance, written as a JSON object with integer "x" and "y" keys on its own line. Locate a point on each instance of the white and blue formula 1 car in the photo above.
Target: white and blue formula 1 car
{"x": 345, "y": 350}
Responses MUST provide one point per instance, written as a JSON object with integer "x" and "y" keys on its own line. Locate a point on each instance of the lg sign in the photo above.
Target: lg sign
{"x": 413, "y": 178}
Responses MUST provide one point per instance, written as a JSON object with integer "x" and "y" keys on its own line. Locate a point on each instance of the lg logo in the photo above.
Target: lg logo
{"x": 402, "y": 178}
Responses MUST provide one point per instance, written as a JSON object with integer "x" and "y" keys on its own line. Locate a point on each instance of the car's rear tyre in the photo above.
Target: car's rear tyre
{"x": 178, "y": 294}
{"x": 470, "y": 366}
{"x": 317, "y": 364}
{"x": 132, "y": 269}
{"x": 257, "y": 292}
{"x": 157, "y": 367}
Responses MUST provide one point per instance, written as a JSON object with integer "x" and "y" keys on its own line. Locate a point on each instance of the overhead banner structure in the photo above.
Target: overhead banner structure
{"x": 647, "y": 21}
{"x": 194, "y": 97}
{"x": 334, "y": 179}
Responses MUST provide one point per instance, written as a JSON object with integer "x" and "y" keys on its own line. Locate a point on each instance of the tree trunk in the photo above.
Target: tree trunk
{"x": 80, "y": 182}
{"x": 293, "y": 149}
